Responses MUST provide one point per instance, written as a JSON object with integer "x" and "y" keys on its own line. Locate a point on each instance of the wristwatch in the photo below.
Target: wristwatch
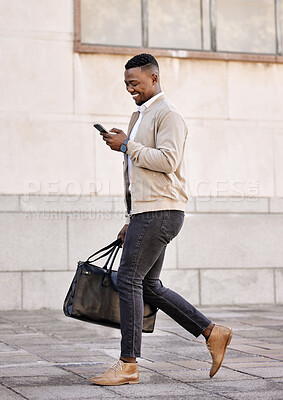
{"x": 123, "y": 146}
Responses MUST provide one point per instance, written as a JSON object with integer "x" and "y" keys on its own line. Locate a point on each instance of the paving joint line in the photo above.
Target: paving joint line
{"x": 186, "y": 383}
{"x": 242, "y": 372}
{"x": 14, "y": 391}
{"x": 213, "y": 393}
{"x": 181, "y": 356}
{"x": 72, "y": 372}
{"x": 20, "y": 325}
{"x": 28, "y": 351}
{"x": 176, "y": 334}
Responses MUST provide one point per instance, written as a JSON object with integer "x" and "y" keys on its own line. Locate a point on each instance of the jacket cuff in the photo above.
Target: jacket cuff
{"x": 130, "y": 146}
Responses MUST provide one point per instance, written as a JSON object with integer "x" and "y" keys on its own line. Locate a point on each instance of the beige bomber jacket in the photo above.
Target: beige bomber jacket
{"x": 158, "y": 177}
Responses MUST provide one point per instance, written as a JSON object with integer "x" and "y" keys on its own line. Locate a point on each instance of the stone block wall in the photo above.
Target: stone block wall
{"x": 225, "y": 253}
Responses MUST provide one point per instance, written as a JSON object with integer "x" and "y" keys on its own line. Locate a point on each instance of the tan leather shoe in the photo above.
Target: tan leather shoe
{"x": 119, "y": 373}
{"x": 217, "y": 343}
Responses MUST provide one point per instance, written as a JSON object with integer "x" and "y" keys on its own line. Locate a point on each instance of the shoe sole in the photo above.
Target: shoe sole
{"x": 114, "y": 384}
{"x": 224, "y": 352}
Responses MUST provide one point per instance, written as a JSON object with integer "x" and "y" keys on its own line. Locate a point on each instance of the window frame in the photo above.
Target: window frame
{"x": 212, "y": 54}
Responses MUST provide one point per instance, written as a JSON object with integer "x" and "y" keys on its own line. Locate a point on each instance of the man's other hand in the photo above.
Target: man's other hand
{"x": 114, "y": 141}
{"x": 122, "y": 233}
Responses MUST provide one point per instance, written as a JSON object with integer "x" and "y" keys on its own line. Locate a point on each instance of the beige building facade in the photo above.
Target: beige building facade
{"x": 61, "y": 188}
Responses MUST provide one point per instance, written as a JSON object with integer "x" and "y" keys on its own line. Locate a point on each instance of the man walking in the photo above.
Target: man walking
{"x": 155, "y": 195}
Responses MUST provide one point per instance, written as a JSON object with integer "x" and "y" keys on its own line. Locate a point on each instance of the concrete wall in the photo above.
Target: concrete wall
{"x": 229, "y": 249}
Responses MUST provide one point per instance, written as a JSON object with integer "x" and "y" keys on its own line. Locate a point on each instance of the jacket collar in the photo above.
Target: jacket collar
{"x": 132, "y": 122}
{"x": 155, "y": 103}
{"x": 136, "y": 114}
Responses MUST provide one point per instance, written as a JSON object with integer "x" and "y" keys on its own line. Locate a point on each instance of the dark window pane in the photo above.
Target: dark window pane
{"x": 246, "y": 26}
{"x": 174, "y": 24}
{"x": 111, "y": 22}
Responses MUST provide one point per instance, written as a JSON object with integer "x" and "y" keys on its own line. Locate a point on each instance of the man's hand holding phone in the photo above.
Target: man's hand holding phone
{"x": 113, "y": 138}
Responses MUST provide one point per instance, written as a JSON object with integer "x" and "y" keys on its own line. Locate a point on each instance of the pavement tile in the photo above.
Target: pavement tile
{"x": 14, "y": 330}
{"x": 24, "y": 340}
{"x": 6, "y": 348}
{"x": 239, "y": 340}
{"x": 202, "y": 396}
{"x": 8, "y": 394}
{"x": 44, "y": 355}
{"x": 74, "y": 358}
{"x": 275, "y": 340}
{"x": 273, "y": 346}
{"x": 253, "y": 364}
{"x": 253, "y": 332}
{"x": 176, "y": 353}
{"x": 234, "y": 355}
{"x": 43, "y": 380}
{"x": 277, "y": 357}
{"x": 169, "y": 389}
{"x": 17, "y": 357}
{"x": 263, "y": 321}
{"x": 189, "y": 376}
{"x": 270, "y": 372}
{"x": 247, "y": 358}
{"x": 266, "y": 395}
{"x": 270, "y": 346}
{"x": 66, "y": 392}
{"x": 275, "y": 323}
{"x": 35, "y": 370}
{"x": 161, "y": 366}
{"x": 245, "y": 348}
{"x": 234, "y": 386}
{"x": 194, "y": 364}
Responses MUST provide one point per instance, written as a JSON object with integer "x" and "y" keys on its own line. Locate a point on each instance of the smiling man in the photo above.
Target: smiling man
{"x": 155, "y": 197}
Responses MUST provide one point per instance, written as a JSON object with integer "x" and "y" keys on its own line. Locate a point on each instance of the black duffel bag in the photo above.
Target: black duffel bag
{"x": 93, "y": 294}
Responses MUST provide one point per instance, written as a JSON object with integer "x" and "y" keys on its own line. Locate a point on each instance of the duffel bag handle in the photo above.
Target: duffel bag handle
{"x": 114, "y": 257}
{"x": 110, "y": 248}
{"x": 107, "y": 278}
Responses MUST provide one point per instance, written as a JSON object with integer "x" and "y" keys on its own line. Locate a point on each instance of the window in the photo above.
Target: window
{"x": 111, "y": 22}
{"x": 182, "y": 28}
{"x": 177, "y": 24}
{"x": 246, "y": 26}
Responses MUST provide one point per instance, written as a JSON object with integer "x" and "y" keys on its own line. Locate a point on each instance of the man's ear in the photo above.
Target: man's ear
{"x": 154, "y": 78}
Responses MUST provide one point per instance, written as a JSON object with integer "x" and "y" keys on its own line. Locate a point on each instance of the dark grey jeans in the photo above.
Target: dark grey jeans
{"x": 138, "y": 277}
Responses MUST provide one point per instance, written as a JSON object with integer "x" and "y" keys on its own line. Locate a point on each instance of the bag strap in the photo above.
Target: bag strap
{"x": 115, "y": 252}
{"x": 111, "y": 246}
{"x": 103, "y": 255}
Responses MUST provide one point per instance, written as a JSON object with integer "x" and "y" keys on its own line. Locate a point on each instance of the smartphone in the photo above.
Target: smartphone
{"x": 100, "y": 128}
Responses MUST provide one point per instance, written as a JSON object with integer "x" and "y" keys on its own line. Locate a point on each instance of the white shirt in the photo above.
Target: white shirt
{"x": 141, "y": 110}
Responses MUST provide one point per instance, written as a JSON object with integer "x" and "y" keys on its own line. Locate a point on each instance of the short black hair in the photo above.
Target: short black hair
{"x": 143, "y": 60}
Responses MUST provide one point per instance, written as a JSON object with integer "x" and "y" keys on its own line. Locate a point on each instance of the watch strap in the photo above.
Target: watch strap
{"x": 124, "y": 144}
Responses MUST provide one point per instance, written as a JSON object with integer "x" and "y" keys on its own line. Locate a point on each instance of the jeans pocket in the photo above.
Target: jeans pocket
{"x": 172, "y": 224}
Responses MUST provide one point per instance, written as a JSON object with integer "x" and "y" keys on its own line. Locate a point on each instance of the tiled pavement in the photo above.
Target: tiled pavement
{"x": 45, "y": 355}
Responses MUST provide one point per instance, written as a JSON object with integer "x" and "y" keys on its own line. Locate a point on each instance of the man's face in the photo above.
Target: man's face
{"x": 141, "y": 84}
